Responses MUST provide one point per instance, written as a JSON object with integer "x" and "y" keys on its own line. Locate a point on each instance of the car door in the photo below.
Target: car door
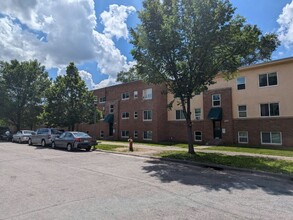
{"x": 60, "y": 140}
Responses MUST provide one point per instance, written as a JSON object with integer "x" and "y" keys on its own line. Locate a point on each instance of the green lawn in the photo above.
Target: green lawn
{"x": 108, "y": 147}
{"x": 253, "y": 163}
{"x": 254, "y": 150}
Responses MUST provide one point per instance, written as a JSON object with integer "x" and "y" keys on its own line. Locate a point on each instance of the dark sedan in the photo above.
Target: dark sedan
{"x": 73, "y": 140}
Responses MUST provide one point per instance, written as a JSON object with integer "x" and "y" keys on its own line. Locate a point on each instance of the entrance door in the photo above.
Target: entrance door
{"x": 217, "y": 129}
{"x": 110, "y": 129}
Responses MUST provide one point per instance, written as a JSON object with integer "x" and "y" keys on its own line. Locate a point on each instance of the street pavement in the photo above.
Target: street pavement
{"x": 43, "y": 183}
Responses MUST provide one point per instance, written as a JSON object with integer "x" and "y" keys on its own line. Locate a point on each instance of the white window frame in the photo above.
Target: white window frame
{"x": 269, "y": 105}
{"x": 135, "y": 94}
{"x": 271, "y": 142}
{"x": 242, "y": 136}
{"x": 125, "y": 96}
{"x": 135, "y": 134}
{"x": 102, "y": 99}
{"x": 124, "y": 134}
{"x": 195, "y": 135}
{"x": 147, "y": 94}
{"x": 242, "y": 111}
{"x": 197, "y": 115}
{"x": 125, "y": 115}
{"x": 135, "y": 115}
{"x": 267, "y": 76}
{"x": 147, "y": 138}
{"x": 213, "y": 100}
{"x": 182, "y": 117}
{"x": 238, "y": 84}
{"x": 151, "y": 115}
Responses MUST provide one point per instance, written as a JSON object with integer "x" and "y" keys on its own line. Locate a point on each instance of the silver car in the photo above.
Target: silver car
{"x": 22, "y": 136}
{"x": 44, "y": 136}
{"x": 73, "y": 140}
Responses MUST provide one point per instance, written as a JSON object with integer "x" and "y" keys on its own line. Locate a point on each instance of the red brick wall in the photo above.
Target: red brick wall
{"x": 255, "y": 126}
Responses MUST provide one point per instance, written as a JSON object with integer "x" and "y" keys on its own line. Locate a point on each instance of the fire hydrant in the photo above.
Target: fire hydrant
{"x": 130, "y": 140}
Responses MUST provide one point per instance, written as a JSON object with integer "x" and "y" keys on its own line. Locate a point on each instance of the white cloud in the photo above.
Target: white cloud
{"x": 114, "y": 21}
{"x": 107, "y": 82}
{"x": 88, "y": 79}
{"x": 285, "y": 21}
{"x": 59, "y": 32}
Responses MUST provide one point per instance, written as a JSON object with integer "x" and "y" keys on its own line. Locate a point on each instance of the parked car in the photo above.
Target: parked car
{"x": 73, "y": 140}
{"x": 5, "y": 134}
{"x": 22, "y": 136}
{"x": 44, "y": 136}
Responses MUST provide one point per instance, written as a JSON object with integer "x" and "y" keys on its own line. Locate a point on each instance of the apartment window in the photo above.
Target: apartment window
{"x": 180, "y": 115}
{"x": 125, "y": 96}
{"x": 271, "y": 138}
{"x": 242, "y": 137}
{"x": 102, "y": 99}
{"x": 197, "y": 112}
{"x": 270, "y": 109}
{"x": 147, "y": 115}
{"x": 135, "y": 115}
{"x": 111, "y": 109}
{"x": 268, "y": 79}
{"x": 216, "y": 100}
{"x": 135, "y": 134}
{"x": 240, "y": 83}
{"x": 135, "y": 94}
{"x": 147, "y": 94}
{"x": 125, "y": 134}
{"x": 125, "y": 115}
{"x": 197, "y": 136}
{"x": 147, "y": 135}
{"x": 101, "y": 134}
{"x": 242, "y": 111}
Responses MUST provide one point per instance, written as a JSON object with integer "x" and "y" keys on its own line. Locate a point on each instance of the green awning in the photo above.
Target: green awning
{"x": 215, "y": 114}
{"x": 109, "y": 118}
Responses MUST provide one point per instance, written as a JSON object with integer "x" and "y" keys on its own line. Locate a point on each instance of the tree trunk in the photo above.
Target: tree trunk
{"x": 187, "y": 113}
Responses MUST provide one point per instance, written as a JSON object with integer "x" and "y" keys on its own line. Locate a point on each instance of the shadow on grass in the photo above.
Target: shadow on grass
{"x": 212, "y": 179}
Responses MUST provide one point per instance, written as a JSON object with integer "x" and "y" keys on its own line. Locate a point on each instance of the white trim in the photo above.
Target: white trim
{"x": 242, "y": 111}
{"x": 269, "y": 116}
{"x": 268, "y": 80}
{"x": 151, "y": 115}
{"x": 241, "y": 84}
{"x": 124, "y": 136}
{"x": 149, "y": 139}
{"x": 270, "y": 132}
{"x": 124, "y": 94}
{"x": 220, "y": 100}
{"x": 241, "y": 142}
{"x": 200, "y": 136}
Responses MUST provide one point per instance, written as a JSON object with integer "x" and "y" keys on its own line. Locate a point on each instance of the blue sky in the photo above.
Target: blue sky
{"x": 94, "y": 34}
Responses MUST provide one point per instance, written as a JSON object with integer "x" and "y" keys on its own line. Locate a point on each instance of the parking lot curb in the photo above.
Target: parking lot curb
{"x": 206, "y": 165}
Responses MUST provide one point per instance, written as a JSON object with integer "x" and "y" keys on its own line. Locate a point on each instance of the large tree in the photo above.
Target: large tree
{"x": 68, "y": 101}
{"x": 185, "y": 43}
{"x": 22, "y": 86}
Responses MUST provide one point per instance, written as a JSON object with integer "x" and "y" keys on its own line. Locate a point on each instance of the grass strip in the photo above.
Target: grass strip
{"x": 254, "y": 150}
{"x": 108, "y": 147}
{"x": 253, "y": 163}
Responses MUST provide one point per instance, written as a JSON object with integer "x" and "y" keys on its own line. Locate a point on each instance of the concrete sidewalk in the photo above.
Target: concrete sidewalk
{"x": 149, "y": 150}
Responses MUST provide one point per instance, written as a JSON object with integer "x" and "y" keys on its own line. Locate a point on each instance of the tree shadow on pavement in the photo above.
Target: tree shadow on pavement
{"x": 216, "y": 179}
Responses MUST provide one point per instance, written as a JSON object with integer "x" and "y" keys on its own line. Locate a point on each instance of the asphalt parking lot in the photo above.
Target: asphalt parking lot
{"x": 44, "y": 183}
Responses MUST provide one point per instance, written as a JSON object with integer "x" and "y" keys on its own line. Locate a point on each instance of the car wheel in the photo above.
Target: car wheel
{"x": 30, "y": 142}
{"x": 88, "y": 148}
{"x": 53, "y": 145}
{"x": 43, "y": 143}
{"x": 69, "y": 147}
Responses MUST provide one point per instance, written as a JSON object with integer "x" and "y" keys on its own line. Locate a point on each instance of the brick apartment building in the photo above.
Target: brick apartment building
{"x": 255, "y": 108}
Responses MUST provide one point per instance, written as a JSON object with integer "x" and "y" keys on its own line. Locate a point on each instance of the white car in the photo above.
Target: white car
{"x": 22, "y": 136}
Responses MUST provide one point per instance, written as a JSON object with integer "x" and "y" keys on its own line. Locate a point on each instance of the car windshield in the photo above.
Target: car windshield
{"x": 28, "y": 132}
{"x": 81, "y": 135}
